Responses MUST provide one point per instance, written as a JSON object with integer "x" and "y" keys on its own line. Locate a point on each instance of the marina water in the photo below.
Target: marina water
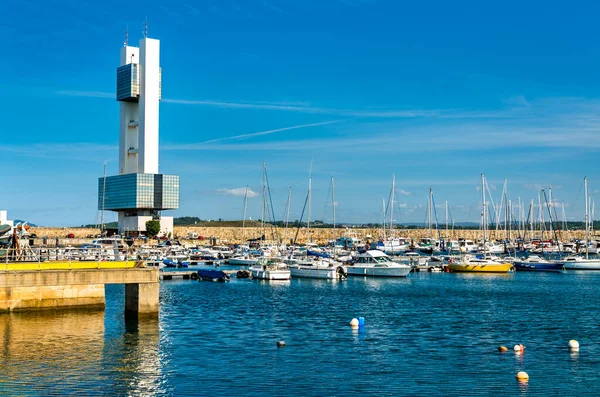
{"x": 429, "y": 334}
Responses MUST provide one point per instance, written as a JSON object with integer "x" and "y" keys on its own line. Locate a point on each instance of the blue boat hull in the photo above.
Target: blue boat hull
{"x": 212, "y": 275}
{"x": 539, "y": 267}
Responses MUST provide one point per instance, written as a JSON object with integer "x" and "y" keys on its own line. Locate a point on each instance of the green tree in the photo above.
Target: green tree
{"x": 152, "y": 228}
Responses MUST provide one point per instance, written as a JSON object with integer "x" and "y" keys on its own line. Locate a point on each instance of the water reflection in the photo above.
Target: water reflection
{"x": 523, "y": 385}
{"x": 135, "y": 355}
{"x": 38, "y": 348}
{"x": 50, "y": 343}
{"x": 574, "y": 355}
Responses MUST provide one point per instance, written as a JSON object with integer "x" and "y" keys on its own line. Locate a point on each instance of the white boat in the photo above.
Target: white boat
{"x": 581, "y": 263}
{"x": 243, "y": 260}
{"x": 323, "y": 269}
{"x": 377, "y": 263}
{"x": 394, "y": 246}
{"x": 270, "y": 269}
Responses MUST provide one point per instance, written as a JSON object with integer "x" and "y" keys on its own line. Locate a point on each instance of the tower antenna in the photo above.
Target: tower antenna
{"x": 146, "y": 28}
{"x": 126, "y": 42}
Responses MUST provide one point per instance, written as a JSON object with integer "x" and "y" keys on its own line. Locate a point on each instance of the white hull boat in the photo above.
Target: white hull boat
{"x": 270, "y": 274}
{"x": 579, "y": 263}
{"x": 318, "y": 271}
{"x": 243, "y": 261}
{"x": 270, "y": 269}
{"x": 375, "y": 263}
{"x": 395, "y": 270}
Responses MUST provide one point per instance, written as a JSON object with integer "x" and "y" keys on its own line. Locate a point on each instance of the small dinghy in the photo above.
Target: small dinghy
{"x": 212, "y": 275}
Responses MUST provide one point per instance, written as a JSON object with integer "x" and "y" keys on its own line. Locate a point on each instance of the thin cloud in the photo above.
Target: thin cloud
{"x": 363, "y": 113}
{"x": 237, "y": 192}
{"x": 253, "y": 134}
{"x": 87, "y": 94}
{"x": 403, "y": 192}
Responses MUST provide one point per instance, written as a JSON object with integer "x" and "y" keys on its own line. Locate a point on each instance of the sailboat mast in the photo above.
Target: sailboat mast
{"x": 264, "y": 203}
{"x": 309, "y": 199}
{"x": 447, "y": 235}
{"x": 541, "y": 216}
{"x": 592, "y": 207}
{"x": 531, "y": 212}
{"x": 430, "y": 210}
{"x": 483, "y": 213}
{"x": 287, "y": 214}
{"x": 392, "y": 204}
{"x": 333, "y": 205}
{"x": 244, "y": 218}
{"x": 587, "y": 219}
{"x": 509, "y": 218}
{"x": 103, "y": 197}
{"x": 383, "y": 217}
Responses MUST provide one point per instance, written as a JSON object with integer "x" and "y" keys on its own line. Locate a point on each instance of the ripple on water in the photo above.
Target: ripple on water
{"x": 430, "y": 334}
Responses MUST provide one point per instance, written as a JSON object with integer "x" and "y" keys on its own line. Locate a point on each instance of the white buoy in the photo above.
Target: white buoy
{"x": 522, "y": 376}
{"x": 281, "y": 343}
{"x": 354, "y": 323}
{"x": 573, "y": 344}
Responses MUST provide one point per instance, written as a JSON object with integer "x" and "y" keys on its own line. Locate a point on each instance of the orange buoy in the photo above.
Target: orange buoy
{"x": 502, "y": 349}
{"x": 522, "y": 376}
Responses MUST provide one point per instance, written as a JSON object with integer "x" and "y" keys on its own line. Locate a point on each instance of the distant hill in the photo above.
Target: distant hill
{"x": 108, "y": 225}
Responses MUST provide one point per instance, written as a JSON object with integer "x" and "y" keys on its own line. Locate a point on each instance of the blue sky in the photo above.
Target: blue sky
{"x": 436, "y": 92}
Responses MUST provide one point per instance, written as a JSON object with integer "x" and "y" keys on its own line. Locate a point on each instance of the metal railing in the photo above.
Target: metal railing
{"x": 43, "y": 258}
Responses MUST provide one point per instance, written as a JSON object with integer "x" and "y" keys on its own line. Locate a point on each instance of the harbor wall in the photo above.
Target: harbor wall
{"x": 233, "y": 235}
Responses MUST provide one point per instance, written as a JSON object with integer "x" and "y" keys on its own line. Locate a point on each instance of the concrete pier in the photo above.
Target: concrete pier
{"x": 51, "y": 289}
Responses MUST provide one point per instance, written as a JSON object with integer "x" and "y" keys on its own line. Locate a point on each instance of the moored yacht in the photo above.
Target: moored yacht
{"x": 377, "y": 263}
{"x": 270, "y": 269}
{"x": 538, "y": 264}
{"x": 324, "y": 268}
{"x": 580, "y": 263}
{"x": 480, "y": 265}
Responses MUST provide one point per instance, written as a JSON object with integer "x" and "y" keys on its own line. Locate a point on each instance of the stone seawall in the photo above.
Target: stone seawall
{"x": 232, "y": 235}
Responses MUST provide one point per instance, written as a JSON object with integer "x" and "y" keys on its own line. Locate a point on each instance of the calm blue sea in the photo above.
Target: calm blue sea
{"x": 430, "y": 334}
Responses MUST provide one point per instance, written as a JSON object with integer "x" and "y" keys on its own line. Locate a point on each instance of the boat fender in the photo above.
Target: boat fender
{"x": 502, "y": 349}
{"x": 194, "y": 276}
{"x": 573, "y": 344}
{"x": 281, "y": 343}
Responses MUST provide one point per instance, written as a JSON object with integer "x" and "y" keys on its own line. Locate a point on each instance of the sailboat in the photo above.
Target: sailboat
{"x": 579, "y": 262}
{"x": 269, "y": 268}
{"x": 476, "y": 264}
{"x": 392, "y": 245}
{"x": 321, "y": 265}
{"x": 243, "y": 257}
{"x": 537, "y": 263}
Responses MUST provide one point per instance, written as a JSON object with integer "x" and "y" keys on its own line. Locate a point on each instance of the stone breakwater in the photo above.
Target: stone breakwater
{"x": 233, "y": 235}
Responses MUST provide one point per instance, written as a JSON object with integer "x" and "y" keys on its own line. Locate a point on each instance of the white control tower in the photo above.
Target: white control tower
{"x": 139, "y": 192}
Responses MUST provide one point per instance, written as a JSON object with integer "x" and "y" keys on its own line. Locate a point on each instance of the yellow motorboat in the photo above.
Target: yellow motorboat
{"x": 481, "y": 266}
